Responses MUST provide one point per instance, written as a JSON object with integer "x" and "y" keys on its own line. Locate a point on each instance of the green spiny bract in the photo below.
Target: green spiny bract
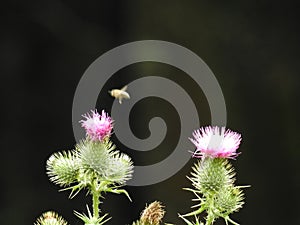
{"x": 229, "y": 200}
{"x": 120, "y": 168}
{"x": 101, "y": 160}
{"x": 94, "y": 156}
{"x": 93, "y": 164}
{"x": 62, "y": 168}
{"x": 90, "y": 219}
{"x": 211, "y": 174}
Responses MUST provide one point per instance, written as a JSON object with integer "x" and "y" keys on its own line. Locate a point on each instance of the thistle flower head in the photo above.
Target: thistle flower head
{"x": 215, "y": 142}
{"x": 97, "y": 127}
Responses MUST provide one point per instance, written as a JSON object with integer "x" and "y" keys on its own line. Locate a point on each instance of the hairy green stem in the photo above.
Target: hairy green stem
{"x": 209, "y": 219}
{"x": 96, "y": 201}
{"x": 210, "y": 215}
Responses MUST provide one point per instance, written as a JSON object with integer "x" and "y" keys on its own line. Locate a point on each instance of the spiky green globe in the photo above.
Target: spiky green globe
{"x": 229, "y": 200}
{"x": 102, "y": 159}
{"x": 62, "y": 168}
{"x": 120, "y": 168}
{"x": 94, "y": 156}
{"x": 211, "y": 174}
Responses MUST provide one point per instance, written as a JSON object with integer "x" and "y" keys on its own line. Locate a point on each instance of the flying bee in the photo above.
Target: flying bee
{"x": 120, "y": 94}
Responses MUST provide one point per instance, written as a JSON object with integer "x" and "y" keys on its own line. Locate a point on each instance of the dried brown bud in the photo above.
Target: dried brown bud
{"x": 153, "y": 214}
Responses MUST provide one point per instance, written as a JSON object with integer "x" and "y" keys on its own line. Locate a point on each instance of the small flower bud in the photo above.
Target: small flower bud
{"x": 229, "y": 200}
{"x": 50, "y": 218}
{"x": 62, "y": 168}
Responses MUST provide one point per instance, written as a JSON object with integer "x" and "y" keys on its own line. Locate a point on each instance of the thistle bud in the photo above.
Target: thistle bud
{"x": 229, "y": 200}
{"x": 62, "y": 168}
{"x": 50, "y": 218}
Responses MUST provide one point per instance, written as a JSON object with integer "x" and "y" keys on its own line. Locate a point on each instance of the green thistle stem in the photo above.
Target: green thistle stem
{"x": 209, "y": 221}
{"x": 210, "y": 216}
{"x": 96, "y": 201}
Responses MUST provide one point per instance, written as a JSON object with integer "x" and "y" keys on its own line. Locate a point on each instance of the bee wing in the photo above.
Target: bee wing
{"x": 124, "y": 94}
{"x": 124, "y": 88}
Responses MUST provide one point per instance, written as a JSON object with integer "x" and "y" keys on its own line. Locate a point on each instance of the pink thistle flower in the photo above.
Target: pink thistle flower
{"x": 215, "y": 143}
{"x": 97, "y": 126}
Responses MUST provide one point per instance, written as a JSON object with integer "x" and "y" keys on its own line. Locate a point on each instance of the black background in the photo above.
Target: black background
{"x": 251, "y": 46}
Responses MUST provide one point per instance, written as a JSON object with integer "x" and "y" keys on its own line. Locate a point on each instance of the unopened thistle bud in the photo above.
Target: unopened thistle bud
{"x": 229, "y": 200}
{"x": 62, "y": 168}
{"x": 50, "y": 218}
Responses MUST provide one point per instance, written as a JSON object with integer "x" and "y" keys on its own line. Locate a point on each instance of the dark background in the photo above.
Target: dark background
{"x": 251, "y": 46}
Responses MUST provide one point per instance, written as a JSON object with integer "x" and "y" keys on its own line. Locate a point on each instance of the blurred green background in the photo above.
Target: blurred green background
{"x": 251, "y": 46}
